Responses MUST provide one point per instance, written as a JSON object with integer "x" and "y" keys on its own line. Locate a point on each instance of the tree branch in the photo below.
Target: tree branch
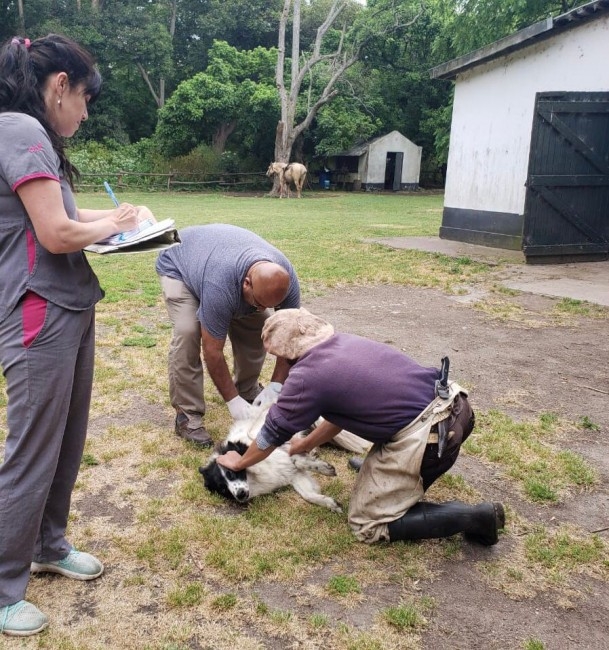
{"x": 146, "y": 78}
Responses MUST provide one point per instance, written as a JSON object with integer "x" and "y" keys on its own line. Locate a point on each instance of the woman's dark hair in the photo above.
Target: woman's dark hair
{"x": 24, "y": 70}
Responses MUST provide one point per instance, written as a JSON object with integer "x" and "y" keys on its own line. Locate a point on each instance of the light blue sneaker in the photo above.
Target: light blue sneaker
{"x": 78, "y": 566}
{"x": 22, "y": 619}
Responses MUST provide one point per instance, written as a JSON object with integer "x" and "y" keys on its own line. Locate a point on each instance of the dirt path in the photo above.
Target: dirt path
{"x": 523, "y": 369}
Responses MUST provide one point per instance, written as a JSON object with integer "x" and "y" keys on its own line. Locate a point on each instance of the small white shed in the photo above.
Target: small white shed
{"x": 389, "y": 162}
{"x": 528, "y": 163}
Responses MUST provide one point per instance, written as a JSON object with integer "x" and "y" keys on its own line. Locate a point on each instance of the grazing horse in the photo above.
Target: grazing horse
{"x": 288, "y": 173}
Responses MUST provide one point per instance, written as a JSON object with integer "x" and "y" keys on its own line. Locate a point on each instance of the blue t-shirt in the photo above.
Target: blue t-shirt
{"x": 65, "y": 279}
{"x": 362, "y": 386}
{"x": 212, "y": 261}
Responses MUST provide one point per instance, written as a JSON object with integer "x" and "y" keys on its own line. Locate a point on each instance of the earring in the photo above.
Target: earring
{"x": 59, "y": 101}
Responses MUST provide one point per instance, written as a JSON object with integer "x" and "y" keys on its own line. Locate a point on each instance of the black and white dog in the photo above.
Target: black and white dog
{"x": 274, "y": 472}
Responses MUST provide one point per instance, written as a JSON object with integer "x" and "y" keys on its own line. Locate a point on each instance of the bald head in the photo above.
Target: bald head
{"x": 268, "y": 284}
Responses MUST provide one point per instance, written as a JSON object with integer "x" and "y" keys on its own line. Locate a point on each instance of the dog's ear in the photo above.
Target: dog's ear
{"x": 206, "y": 471}
{"x": 212, "y": 479}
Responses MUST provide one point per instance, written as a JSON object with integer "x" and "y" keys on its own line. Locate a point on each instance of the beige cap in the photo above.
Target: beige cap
{"x": 289, "y": 333}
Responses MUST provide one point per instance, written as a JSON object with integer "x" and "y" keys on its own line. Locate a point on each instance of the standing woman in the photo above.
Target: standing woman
{"x": 48, "y": 294}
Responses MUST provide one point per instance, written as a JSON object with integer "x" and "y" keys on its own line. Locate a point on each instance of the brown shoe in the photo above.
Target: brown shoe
{"x": 199, "y": 436}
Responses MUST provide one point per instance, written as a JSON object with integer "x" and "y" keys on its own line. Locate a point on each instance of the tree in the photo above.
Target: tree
{"x": 467, "y": 25}
{"x": 335, "y": 49}
{"x": 209, "y": 106}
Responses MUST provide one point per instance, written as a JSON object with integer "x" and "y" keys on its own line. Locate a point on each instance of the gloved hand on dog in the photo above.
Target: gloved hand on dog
{"x": 239, "y": 408}
{"x": 269, "y": 394}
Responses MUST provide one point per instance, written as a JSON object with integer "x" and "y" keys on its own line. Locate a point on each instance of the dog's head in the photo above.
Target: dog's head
{"x": 223, "y": 481}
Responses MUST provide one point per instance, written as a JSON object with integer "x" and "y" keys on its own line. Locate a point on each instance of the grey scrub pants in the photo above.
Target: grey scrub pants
{"x": 185, "y": 364}
{"x": 48, "y": 381}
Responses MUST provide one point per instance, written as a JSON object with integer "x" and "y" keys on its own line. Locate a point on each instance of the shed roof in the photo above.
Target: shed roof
{"x": 521, "y": 39}
{"x": 362, "y": 147}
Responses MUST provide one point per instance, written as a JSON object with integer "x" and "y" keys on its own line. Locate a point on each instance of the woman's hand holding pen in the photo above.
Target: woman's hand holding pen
{"x": 126, "y": 217}
{"x": 142, "y": 212}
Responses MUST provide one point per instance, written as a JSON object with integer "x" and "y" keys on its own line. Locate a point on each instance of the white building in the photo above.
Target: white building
{"x": 390, "y": 162}
{"x": 528, "y": 163}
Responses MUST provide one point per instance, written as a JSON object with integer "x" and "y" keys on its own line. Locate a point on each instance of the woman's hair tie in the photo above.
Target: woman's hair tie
{"x": 21, "y": 41}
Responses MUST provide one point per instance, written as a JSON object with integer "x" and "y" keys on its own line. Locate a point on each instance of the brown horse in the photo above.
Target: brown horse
{"x": 288, "y": 173}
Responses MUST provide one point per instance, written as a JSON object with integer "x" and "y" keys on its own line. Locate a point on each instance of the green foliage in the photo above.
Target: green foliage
{"x": 578, "y": 307}
{"x": 243, "y": 25}
{"x": 403, "y": 617}
{"x": 101, "y": 159}
{"x": 587, "y": 423}
{"x": 232, "y": 44}
{"x": 200, "y": 161}
{"x": 224, "y": 602}
{"x": 319, "y": 620}
{"x": 341, "y": 124}
{"x": 563, "y": 551}
{"x": 533, "y": 644}
{"x": 280, "y": 617}
{"x": 88, "y": 460}
{"x": 523, "y": 450}
{"x": 208, "y": 107}
{"x": 343, "y": 585}
{"x": 188, "y": 595}
{"x": 139, "y": 341}
{"x": 435, "y": 124}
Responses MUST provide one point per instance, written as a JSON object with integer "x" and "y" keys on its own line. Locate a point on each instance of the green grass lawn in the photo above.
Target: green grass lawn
{"x": 327, "y": 236}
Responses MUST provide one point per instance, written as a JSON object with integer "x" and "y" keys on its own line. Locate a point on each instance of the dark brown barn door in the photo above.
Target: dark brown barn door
{"x": 566, "y": 216}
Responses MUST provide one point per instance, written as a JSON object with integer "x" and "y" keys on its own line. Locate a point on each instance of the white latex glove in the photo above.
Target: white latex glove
{"x": 239, "y": 408}
{"x": 269, "y": 394}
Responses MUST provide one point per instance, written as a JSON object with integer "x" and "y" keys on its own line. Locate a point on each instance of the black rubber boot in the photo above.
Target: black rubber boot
{"x": 480, "y": 523}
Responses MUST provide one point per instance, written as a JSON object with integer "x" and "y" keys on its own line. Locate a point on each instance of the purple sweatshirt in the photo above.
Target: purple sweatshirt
{"x": 362, "y": 386}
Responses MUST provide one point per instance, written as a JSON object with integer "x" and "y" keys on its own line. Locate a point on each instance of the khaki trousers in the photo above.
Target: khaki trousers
{"x": 185, "y": 363}
{"x": 389, "y": 482}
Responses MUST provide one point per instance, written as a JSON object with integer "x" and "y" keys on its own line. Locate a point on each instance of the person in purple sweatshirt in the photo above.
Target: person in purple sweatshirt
{"x": 387, "y": 398}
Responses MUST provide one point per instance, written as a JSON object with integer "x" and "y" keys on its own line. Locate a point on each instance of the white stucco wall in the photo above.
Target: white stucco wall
{"x": 493, "y": 114}
{"x": 393, "y": 142}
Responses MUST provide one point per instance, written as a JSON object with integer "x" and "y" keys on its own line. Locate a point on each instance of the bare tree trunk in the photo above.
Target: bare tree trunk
{"x": 218, "y": 142}
{"x": 21, "y": 16}
{"x": 287, "y": 130}
{"x": 172, "y": 31}
{"x": 159, "y": 97}
{"x": 146, "y": 78}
